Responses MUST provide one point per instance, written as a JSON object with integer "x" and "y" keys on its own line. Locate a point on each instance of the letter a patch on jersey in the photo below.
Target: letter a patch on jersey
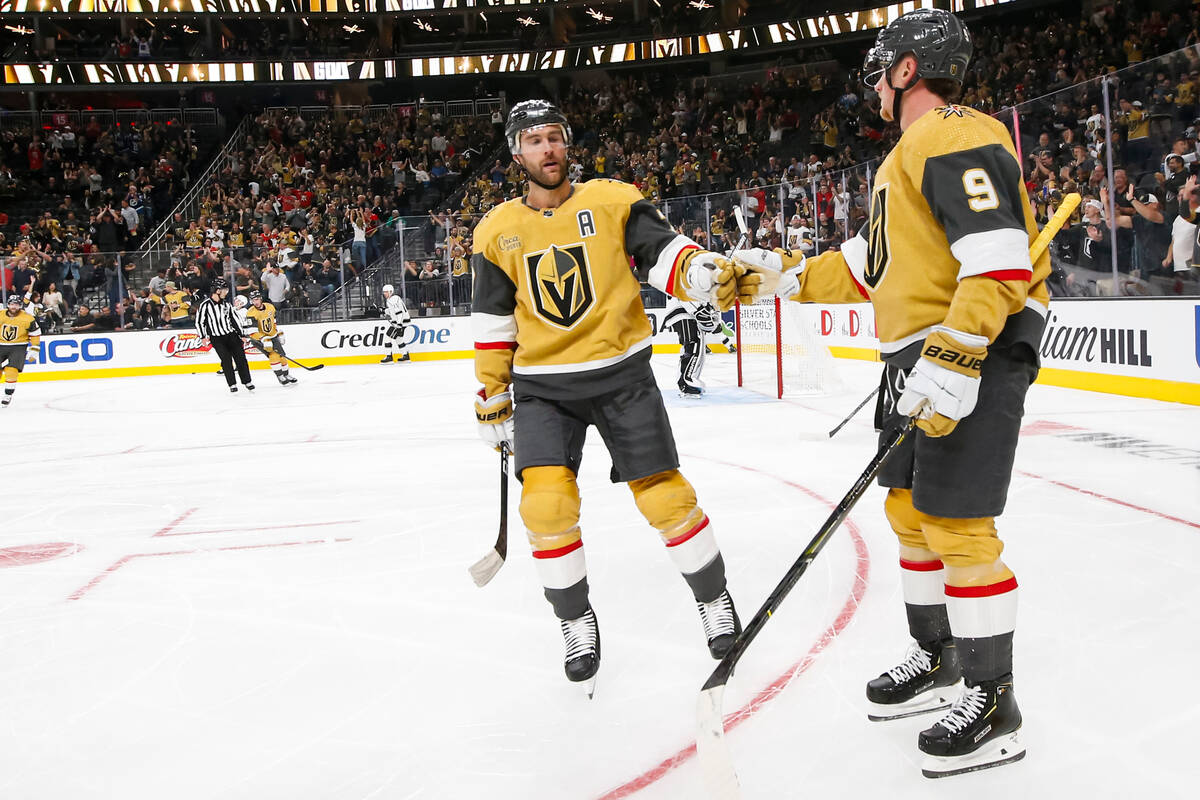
{"x": 560, "y": 283}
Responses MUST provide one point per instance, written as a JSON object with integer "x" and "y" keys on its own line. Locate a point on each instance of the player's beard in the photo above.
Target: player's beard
{"x": 550, "y": 187}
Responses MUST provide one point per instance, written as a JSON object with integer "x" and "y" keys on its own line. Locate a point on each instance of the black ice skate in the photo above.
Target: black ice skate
{"x": 582, "y": 637}
{"x": 721, "y": 624}
{"x": 7, "y": 399}
{"x": 289, "y": 380}
{"x": 927, "y": 680}
{"x": 404, "y": 357}
{"x": 249, "y": 387}
{"x": 980, "y": 731}
{"x": 233, "y": 390}
{"x": 386, "y": 359}
{"x": 283, "y": 381}
{"x": 692, "y": 392}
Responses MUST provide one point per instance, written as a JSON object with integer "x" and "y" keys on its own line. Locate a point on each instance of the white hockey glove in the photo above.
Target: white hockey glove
{"x": 778, "y": 270}
{"x": 495, "y": 418}
{"x": 712, "y": 278}
{"x": 943, "y": 385}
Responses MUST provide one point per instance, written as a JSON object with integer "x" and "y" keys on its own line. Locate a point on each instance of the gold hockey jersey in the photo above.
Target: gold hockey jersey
{"x": 946, "y": 241}
{"x": 19, "y": 328}
{"x": 264, "y": 321}
{"x": 557, "y": 308}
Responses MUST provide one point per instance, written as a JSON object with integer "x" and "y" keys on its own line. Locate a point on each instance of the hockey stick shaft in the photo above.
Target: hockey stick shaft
{"x": 857, "y": 409}
{"x": 262, "y": 349}
{"x": 486, "y": 568}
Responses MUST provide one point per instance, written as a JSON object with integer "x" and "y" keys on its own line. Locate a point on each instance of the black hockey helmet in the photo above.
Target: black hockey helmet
{"x": 530, "y": 114}
{"x": 936, "y": 38}
{"x": 14, "y": 299}
{"x": 217, "y": 285}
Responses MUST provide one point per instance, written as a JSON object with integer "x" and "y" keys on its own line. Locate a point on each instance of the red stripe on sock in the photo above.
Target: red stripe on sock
{"x": 990, "y": 590}
{"x": 683, "y": 537}
{"x": 558, "y": 552}
{"x": 921, "y": 566}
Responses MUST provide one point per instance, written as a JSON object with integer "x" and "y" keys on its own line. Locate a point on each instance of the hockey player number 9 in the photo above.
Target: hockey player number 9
{"x": 979, "y": 186}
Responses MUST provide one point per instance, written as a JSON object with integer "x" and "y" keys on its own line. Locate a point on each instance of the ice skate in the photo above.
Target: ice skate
{"x": 249, "y": 387}
{"x": 233, "y": 390}
{"x": 7, "y": 399}
{"x": 283, "y": 381}
{"x": 982, "y": 730}
{"x": 721, "y": 624}
{"x": 404, "y": 357}
{"x": 690, "y": 392}
{"x": 289, "y": 380}
{"x": 927, "y": 680}
{"x": 582, "y": 660}
{"x": 386, "y": 359}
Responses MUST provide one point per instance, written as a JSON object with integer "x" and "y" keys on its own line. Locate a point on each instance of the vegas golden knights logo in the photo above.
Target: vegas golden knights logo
{"x": 561, "y": 284}
{"x": 878, "y": 252}
{"x": 8, "y": 333}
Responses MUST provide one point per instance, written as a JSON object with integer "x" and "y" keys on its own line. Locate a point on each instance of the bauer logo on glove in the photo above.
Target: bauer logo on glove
{"x": 943, "y": 385}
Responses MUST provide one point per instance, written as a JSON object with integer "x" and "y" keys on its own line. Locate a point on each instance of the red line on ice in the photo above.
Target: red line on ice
{"x": 862, "y": 572}
{"x": 170, "y": 526}
{"x": 1115, "y": 500}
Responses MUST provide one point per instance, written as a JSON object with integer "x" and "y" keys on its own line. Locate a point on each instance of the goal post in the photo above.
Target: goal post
{"x": 779, "y": 352}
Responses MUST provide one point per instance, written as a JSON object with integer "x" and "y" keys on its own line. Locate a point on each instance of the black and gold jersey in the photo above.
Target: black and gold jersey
{"x": 20, "y": 328}
{"x": 557, "y": 308}
{"x": 177, "y": 301}
{"x": 264, "y": 321}
{"x": 946, "y": 241}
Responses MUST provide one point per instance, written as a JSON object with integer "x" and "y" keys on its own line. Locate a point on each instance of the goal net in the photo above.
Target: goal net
{"x": 779, "y": 352}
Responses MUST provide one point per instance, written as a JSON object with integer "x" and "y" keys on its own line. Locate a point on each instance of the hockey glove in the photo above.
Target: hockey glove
{"x": 713, "y": 278}
{"x": 778, "y": 271}
{"x": 943, "y": 385}
{"x": 495, "y": 418}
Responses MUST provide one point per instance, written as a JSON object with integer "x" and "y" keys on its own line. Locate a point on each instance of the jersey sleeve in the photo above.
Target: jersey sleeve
{"x": 835, "y": 276}
{"x": 975, "y": 194}
{"x": 660, "y": 255}
{"x": 493, "y": 320}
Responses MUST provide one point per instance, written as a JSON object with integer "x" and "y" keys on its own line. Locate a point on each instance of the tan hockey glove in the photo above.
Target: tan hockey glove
{"x": 943, "y": 385}
{"x": 495, "y": 418}
{"x": 778, "y": 271}
{"x": 712, "y": 278}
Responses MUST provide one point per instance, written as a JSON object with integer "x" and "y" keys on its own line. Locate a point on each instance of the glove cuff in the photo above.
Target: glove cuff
{"x": 955, "y": 350}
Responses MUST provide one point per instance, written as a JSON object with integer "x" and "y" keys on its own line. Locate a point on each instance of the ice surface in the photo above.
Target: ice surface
{"x": 215, "y": 596}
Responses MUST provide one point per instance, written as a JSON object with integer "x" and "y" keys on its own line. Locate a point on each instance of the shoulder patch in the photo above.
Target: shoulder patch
{"x": 952, "y": 110}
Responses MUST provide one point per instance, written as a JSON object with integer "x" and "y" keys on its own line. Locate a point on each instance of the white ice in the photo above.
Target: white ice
{"x": 215, "y": 596}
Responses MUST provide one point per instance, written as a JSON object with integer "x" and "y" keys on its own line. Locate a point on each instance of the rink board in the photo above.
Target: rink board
{"x": 1141, "y": 348}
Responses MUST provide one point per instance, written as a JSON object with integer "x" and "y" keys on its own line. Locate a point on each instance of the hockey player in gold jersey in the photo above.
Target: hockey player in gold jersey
{"x": 268, "y": 336}
{"x": 959, "y": 310}
{"x": 19, "y": 332}
{"x": 562, "y": 342}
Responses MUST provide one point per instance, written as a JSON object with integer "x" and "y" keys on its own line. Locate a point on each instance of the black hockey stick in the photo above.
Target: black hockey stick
{"x": 715, "y": 759}
{"x": 486, "y": 568}
{"x": 259, "y": 346}
{"x": 857, "y": 409}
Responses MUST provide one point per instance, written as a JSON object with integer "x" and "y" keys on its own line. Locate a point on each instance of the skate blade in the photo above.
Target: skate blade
{"x": 996, "y": 753}
{"x": 932, "y": 700}
{"x": 589, "y": 686}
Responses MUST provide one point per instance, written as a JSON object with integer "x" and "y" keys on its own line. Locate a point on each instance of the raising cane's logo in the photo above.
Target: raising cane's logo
{"x": 184, "y": 345}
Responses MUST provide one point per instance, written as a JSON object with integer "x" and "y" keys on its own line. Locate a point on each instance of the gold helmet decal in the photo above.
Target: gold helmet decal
{"x": 561, "y": 284}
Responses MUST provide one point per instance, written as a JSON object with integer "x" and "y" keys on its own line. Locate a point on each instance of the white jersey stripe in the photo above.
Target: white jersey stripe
{"x": 992, "y": 251}
{"x": 493, "y": 327}
{"x": 660, "y": 273}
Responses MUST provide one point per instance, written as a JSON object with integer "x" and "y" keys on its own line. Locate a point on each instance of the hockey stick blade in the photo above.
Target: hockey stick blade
{"x": 741, "y": 220}
{"x": 486, "y": 568}
{"x": 711, "y": 747}
{"x": 257, "y": 345}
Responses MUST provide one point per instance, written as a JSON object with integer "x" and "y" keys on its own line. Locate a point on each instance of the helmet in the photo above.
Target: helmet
{"x": 217, "y": 284}
{"x": 255, "y": 294}
{"x": 239, "y": 301}
{"x": 14, "y": 299}
{"x": 387, "y": 289}
{"x": 936, "y": 38}
{"x": 530, "y": 114}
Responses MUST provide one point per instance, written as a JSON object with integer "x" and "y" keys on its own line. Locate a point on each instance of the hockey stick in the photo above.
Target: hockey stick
{"x": 857, "y": 409}
{"x": 716, "y": 762}
{"x": 259, "y": 346}
{"x": 486, "y": 568}
{"x": 741, "y": 223}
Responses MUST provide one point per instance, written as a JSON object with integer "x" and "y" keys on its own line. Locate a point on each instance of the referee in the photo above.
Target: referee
{"x": 216, "y": 319}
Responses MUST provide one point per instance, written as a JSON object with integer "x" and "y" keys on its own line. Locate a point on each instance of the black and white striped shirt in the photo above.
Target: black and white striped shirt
{"x": 216, "y": 319}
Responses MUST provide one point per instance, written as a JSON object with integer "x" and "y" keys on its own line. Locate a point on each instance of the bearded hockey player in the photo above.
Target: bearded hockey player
{"x": 959, "y": 309}
{"x": 561, "y": 336}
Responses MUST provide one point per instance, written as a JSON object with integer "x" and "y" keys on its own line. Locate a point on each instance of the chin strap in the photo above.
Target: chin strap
{"x": 897, "y": 93}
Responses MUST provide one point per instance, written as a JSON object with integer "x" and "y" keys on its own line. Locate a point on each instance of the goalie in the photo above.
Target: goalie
{"x": 959, "y": 308}
{"x": 398, "y": 321}
{"x": 692, "y": 322}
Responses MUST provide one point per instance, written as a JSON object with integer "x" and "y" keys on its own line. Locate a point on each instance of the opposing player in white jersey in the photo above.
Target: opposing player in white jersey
{"x": 398, "y": 320}
{"x": 692, "y": 322}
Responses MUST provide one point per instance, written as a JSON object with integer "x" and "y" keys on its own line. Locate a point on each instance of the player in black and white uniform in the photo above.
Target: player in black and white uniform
{"x": 398, "y": 321}
{"x": 681, "y": 317}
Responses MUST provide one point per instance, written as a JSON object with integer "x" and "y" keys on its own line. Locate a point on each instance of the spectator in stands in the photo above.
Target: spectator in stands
{"x": 276, "y": 285}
